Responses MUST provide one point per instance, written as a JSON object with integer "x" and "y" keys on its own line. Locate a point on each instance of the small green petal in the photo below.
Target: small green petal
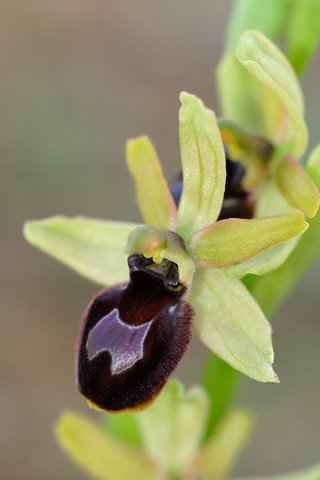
{"x": 203, "y": 166}
{"x": 231, "y": 324}
{"x": 312, "y": 473}
{"x": 298, "y": 189}
{"x": 172, "y": 427}
{"x": 93, "y": 248}
{"x": 267, "y": 63}
{"x": 99, "y": 455}
{"x": 236, "y": 240}
{"x": 219, "y": 455}
{"x": 303, "y": 32}
{"x": 153, "y": 196}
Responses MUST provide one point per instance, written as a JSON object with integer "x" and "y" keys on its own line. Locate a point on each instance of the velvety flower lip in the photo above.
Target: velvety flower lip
{"x": 133, "y": 336}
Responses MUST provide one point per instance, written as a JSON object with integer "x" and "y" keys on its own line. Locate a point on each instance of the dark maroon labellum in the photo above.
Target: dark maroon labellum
{"x": 133, "y": 336}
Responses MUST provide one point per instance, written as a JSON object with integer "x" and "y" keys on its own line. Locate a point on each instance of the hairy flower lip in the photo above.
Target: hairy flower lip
{"x": 153, "y": 320}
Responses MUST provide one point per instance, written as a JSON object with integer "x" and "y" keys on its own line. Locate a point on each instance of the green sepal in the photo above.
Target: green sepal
{"x": 298, "y": 189}
{"x": 220, "y": 453}
{"x": 271, "y": 289}
{"x": 153, "y": 195}
{"x": 236, "y": 240}
{"x": 173, "y": 426}
{"x": 230, "y": 323}
{"x": 158, "y": 244}
{"x": 203, "y": 166}
{"x": 93, "y": 248}
{"x": 100, "y": 456}
{"x": 265, "y": 62}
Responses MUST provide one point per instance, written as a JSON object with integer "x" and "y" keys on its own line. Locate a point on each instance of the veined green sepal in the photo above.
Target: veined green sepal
{"x": 203, "y": 166}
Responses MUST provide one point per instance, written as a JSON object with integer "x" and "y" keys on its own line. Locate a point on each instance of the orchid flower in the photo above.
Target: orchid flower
{"x": 179, "y": 255}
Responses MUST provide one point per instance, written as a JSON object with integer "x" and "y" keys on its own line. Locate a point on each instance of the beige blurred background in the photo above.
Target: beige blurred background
{"x": 77, "y": 79}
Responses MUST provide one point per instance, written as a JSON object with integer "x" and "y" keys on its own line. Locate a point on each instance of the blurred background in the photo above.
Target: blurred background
{"x": 78, "y": 78}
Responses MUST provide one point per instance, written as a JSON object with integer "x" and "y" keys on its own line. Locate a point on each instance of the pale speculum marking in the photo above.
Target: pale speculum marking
{"x": 124, "y": 342}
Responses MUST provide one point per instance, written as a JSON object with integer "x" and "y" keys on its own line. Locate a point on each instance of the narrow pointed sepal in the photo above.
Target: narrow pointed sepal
{"x": 236, "y": 240}
{"x": 297, "y": 187}
{"x": 153, "y": 195}
{"x": 133, "y": 336}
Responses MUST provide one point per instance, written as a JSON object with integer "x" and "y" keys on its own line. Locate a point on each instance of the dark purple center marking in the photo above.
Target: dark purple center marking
{"x": 124, "y": 342}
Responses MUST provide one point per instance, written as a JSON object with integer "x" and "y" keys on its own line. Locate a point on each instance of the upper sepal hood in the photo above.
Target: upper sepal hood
{"x": 133, "y": 336}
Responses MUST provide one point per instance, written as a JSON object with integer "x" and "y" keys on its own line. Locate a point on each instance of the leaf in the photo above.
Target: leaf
{"x": 266, "y": 62}
{"x": 93, "y": 248}
{"x": 271, "y": 289}
{"x": 298, "y": 189}
{"x": 218, "y": 456}
{"x": 268, "y": 17}
{"x": 203, "y": 166}
{"x": 221, "y": 383}
{"x": 312, "y": 473}
{"x": 264, "y": 262}
{"x": 236, "y": 240}
{"x": 303, "y": 32}
{"x": 173, "y": 425}
{"x": 231, "y": 324}
{"x": 98, "y": 454}
{"x": 153, "y": 195}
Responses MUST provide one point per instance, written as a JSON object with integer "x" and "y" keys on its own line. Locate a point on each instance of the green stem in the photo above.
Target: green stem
{"x": 221, "y": 382}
